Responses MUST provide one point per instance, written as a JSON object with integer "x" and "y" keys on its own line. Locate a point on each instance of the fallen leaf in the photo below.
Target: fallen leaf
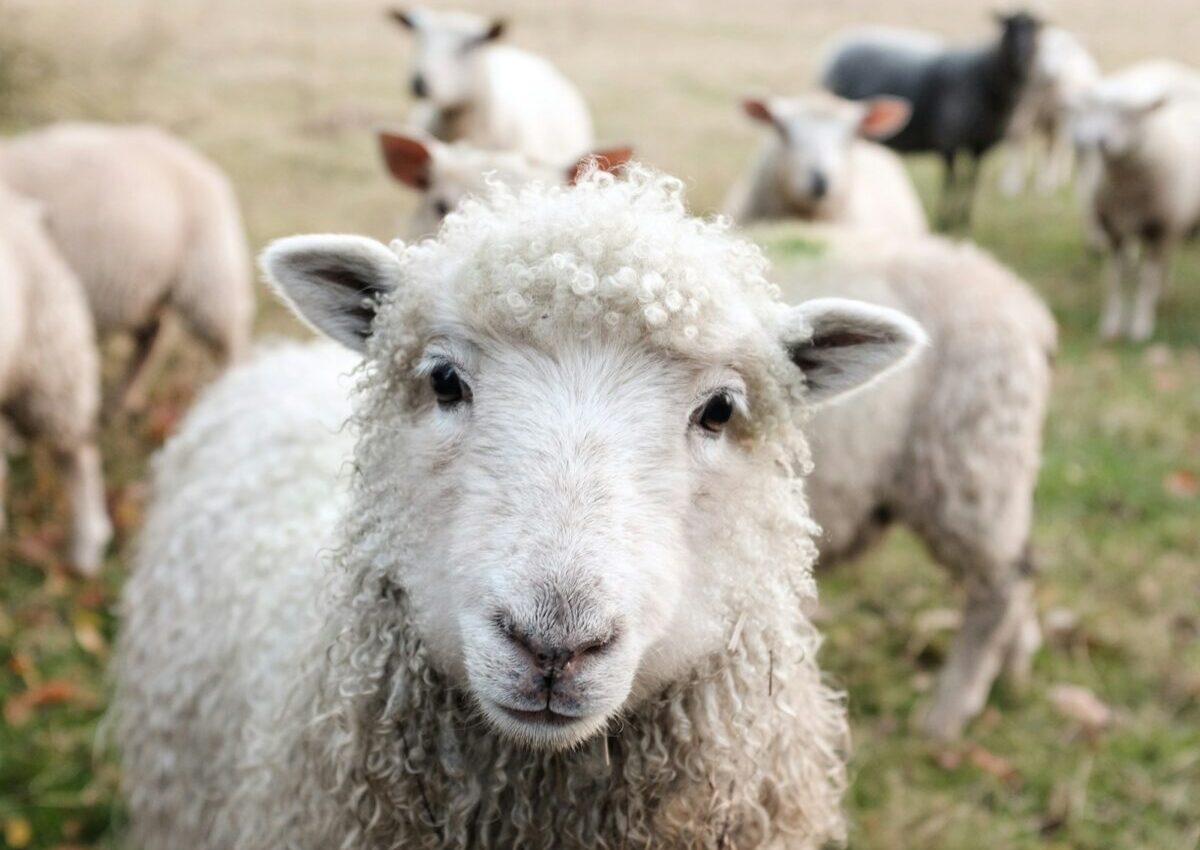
{"x": 86, "y": 625}
{"x": 18, "y": 709}
{"x": 994, "y": 765}
{"x": 1181, "y": 483}
{"x": 17, "y": 832}
{"x": 1083, "y": 706}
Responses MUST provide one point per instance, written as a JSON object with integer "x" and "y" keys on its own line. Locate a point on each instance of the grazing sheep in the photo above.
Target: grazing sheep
{"x": 492, "y": 95}
{"x": 49, "y": 370}
{"x": 1063, "y": 71}
{"x": 445, "y": 174}
{"x": 818, "y": 165}
{"x": 961, "y": 98}
{"x": 148, "y": 225}
{"x": 1142, "y": 127}
{"x": 950, "y": 447}
{"x": 564, "y": 575}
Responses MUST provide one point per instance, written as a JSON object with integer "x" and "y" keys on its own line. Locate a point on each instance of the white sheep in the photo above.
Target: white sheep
{"x": 1039, "y": 132}
{"x": 950, "y": 448}
{"x": 49, "y": 370}
{"x": 819, "y": 165}
{"x": 1142, "y": 128}
{"x": 148, "y": 225}
{"x": 556, "y": 599}
{"x": 445, "y": 174}
{"x": 494, "y": 96}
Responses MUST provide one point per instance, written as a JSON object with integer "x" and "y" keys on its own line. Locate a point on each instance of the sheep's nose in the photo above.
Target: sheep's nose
{"x": 419, "y": 88}
{"x": 557, "y": 657}
{"x": 820, "y": 186}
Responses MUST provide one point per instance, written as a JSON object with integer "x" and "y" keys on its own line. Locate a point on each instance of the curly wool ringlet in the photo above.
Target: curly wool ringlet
{"x": 366, "y": 744}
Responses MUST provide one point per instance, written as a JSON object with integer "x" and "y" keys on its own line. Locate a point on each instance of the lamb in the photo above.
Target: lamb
{"x": 49, "y": 370}
{"x": 1143, "y": 129}
{"x": 567, "y": 565}
{"x": 962, "y": 98}
{"x": 950, "y": 448}
{"x": 1063, "y": 71}
{"x": 818, "y": 165}
{"x": 444, "y": 174}
{"x": 148, "y": 225}
{"x": 492, "y": 95}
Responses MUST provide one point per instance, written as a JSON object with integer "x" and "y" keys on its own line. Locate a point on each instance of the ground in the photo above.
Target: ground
{"x": 284, "y": 94}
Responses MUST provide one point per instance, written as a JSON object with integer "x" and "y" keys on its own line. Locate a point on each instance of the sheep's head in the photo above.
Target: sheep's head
{"x": 1019, "y": 33}
{"x": 447, "y": 45}
{"x": 1109, "y": 118}
{"x": 815, "y": 137}
{"x": 445, "y": 174}
{"x": 580, "y": 415}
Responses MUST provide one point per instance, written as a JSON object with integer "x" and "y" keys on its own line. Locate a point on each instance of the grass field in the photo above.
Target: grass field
{"x": 284, "y": 93}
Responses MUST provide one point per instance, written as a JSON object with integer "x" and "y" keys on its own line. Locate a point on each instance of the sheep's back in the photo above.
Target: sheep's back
{"x": 222, "y": 609}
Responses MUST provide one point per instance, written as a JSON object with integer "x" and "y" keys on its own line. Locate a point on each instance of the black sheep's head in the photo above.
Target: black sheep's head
{"x": 1018, "y": 41}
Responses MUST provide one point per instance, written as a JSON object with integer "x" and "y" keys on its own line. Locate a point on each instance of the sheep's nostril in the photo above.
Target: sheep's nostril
{"x": 419, "y": 88}
{"x": 820, "y": 186}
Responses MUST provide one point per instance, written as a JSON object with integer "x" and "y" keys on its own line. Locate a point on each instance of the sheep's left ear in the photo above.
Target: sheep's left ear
{"x": 333, "y": 283}
{"x": 842, "y": 345}
{"x": 495, "y": 31}
{"x": 884, "y": 117}
{"x": 605, "y": 159}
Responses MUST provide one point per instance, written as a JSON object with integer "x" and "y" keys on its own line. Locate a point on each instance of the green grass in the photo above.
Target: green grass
{"x": 282, "y": 93}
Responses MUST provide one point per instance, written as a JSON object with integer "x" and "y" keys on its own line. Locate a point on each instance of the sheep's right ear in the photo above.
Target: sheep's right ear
{"x": 407, "y": 158}
{"x": 842, "y": 345}
{"x": 605, "y": 159}
{"x": 404, "y": 18}
{"x": 333, "y": 283}
{"x": 758, "y": 110}
{"x": 884, "y": 117}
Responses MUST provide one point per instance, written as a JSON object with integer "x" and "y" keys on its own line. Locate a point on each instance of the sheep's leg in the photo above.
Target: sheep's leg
{"x": 91, "y": 529}
{"x": 1150, "y": 287}
{"x": 1016, "y": 159}
{"x": 949, "y": 186}
{"x": 993, "y": 618}
{"x": 130, "y": 392}
{"x": 1056, "y": 169}
{"x": 967, "y": 198}
{"x": 1120, "y": 261}
{"x": 1018, "y": 661}
{"x": 3, "y": 474}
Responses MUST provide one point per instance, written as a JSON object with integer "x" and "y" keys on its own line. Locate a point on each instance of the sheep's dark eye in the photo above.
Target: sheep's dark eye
{"x": 716, "y": 413}
{"x": 441, "y": 207}
{"x": 447, "y": 387}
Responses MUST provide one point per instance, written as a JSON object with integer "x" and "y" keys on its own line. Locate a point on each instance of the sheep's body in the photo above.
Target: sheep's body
{"x": 876, "y": 193}
{"x": 147, "y": 224}
{"x": 265, "y": 701}
{"x": 950, "y": 448}
{"x": 493, "y": 95}
{"x": 1144, "y": 126}
{"x": 962, "y": 98}
{"x": 49, "y": 369}
{"x": 1063, "y": 71}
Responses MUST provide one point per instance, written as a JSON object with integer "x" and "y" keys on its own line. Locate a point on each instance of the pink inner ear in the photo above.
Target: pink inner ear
{"x": 757, "y": 110}
{"x": 885, "y": 116}
{"x": 607, "y": 159}
{"x": 407, "y": 159}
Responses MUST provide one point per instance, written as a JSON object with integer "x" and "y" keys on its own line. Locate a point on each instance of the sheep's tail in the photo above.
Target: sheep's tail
{"x": 214, "y": 295}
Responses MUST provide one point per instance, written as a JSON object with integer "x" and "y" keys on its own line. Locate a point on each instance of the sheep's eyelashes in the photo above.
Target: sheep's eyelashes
{"x": 448, "y": 388}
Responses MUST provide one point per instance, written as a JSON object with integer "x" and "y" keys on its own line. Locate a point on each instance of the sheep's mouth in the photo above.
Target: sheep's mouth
{"x": 542, "y": 716}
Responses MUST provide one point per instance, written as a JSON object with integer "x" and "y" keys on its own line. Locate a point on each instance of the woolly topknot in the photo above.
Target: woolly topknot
{"x": 513, "y": 262}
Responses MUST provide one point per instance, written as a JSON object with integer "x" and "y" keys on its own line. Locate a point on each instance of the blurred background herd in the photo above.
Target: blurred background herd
{"x": 287, "y": 97}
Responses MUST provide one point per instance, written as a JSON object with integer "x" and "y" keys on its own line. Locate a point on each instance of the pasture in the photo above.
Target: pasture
{"x": 284, "y": 94}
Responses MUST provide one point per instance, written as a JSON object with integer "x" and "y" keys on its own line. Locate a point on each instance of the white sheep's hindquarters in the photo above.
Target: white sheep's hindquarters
{"x": 148, "y": 225}
{"x": 50, "y": 370}
{"x": 950, "y": 448}
{"x": 545, "y": 589}
{"x": 494, "y": 96}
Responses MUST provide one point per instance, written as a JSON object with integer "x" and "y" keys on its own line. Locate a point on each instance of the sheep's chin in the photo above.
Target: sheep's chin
{"x": 543, "y": 733}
